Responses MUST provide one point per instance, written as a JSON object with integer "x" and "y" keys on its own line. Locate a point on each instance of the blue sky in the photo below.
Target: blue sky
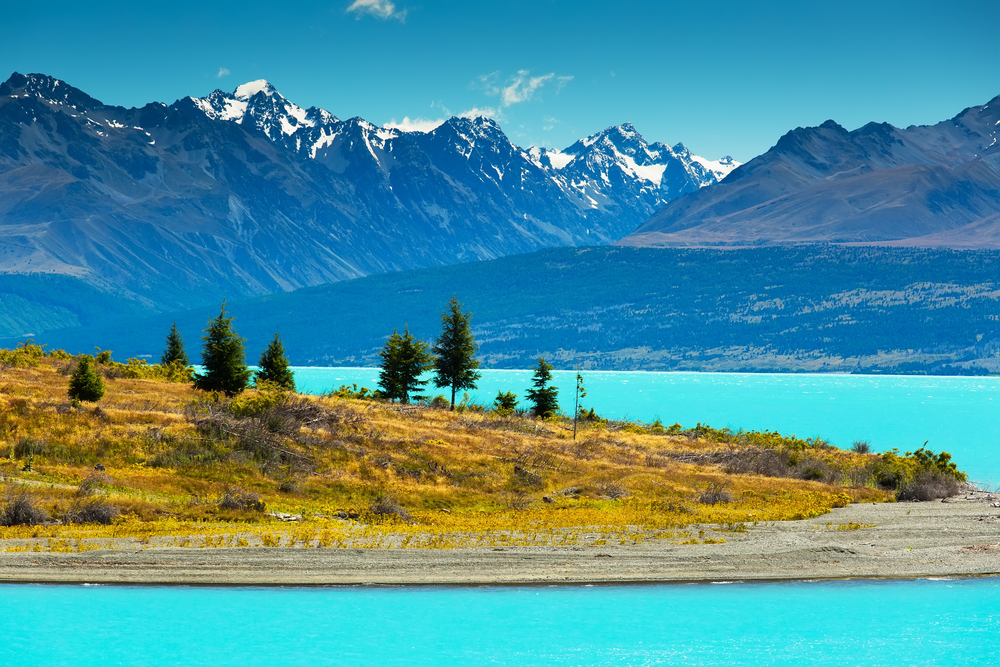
{"x": 722, "y": 77}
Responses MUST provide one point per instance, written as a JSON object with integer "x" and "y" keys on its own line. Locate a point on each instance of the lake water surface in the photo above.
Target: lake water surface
{"x": 829, "y": 623}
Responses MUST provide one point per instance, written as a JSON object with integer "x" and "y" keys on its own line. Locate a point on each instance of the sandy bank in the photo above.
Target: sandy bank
{"x": 960, "y": 537}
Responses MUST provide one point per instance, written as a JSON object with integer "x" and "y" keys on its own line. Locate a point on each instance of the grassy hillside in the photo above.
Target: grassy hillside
{"x": 160, "y": 463}
{"x": 770, "y": 309}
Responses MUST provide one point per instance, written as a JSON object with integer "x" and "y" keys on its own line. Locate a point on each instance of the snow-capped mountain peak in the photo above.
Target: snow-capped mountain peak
{"x": 607, "y": 173}
{"x": 251, "y": 88}
{"x": 258, "y": 104}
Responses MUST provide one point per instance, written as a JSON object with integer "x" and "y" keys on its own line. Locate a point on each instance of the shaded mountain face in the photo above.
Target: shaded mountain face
{"x": 246, "y": 193}
{"x": 936, "y": 185}
{"x": 596, "y": 191}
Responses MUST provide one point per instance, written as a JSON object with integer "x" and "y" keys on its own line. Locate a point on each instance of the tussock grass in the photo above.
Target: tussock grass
{"x": 187, "y": 468}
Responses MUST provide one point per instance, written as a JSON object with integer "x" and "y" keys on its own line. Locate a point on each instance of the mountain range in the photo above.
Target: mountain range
{"x": 245, "y": 193}
{"x": 920, "y": 186}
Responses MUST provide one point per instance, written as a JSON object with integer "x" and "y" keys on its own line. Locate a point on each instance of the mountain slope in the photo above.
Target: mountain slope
{"x": 246, "y": 193}
{"x": 818, "y": 308}
{"x": 935, "y": 185}
{"x": 608, "y": 182}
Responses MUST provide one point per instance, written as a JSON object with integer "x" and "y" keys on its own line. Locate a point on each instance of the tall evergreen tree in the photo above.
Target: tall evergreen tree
{"x": 274, "y": 366}
{"x": 86, "y": 384}
{"x": 543, "y": 396}
{"x": 174, "y": 352}
{"x": 223, "y": 358}
{"x": 404, "y": 359}
{"x": 454, "y": 350}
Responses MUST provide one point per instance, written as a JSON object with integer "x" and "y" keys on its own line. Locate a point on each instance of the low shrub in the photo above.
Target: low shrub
{"x": 930, "y": 485}
{"x": 352, "y": 391}
{"x": 96, "y": 481}
{"x": 238, "y": 499}
{"x": 715, "y": 493}
{"x": 612, "y": 490}
{"x": 252, "y": 404}
{"x": 387, "y": 506}
{"x": 143, "y": 370}
{"x": 19, "y": 509}
{"x": 26, "y": 447}
{"x": 439, "y": 402}
{"x": 94, "y": 510}
{"x": 515, "y": 500}
{"x": 861, "y": 447}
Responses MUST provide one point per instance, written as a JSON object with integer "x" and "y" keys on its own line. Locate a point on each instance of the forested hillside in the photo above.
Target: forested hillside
{"x": 821, "y": 308}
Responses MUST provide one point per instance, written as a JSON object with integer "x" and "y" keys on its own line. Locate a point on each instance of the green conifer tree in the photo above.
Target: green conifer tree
{"x": 543, "y": 396}
{"x": 86, "y": 384}
{"x": 404, "y": 360}
{"x": 454, "y": 350}
{"x": 274, "y": 366}
{"x": 223, "y": 358}
{"x": 505, "y": 403}
{"x": 174, "y": 352}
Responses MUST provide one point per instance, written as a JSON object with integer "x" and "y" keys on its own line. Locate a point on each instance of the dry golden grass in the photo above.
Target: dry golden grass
{"x": 465, "y": 479}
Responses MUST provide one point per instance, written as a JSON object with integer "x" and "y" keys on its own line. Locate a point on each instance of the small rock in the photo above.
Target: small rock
{"x": 546, "y": 499}
{"x": 99, "y": 467}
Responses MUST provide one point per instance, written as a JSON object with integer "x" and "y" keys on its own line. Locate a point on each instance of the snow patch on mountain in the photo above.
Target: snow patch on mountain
{"x": 721, "y": 167}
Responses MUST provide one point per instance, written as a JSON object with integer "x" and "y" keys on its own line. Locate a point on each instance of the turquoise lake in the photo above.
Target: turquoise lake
{"x": 829, "y": 623}
{"x": 923, "y": 622}
{"x": 960, "y": 415}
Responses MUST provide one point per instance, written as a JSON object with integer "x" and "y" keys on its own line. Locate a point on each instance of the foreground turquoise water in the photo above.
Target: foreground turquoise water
{"x": 960, "y": 415}
{"x": 831, "y": 623}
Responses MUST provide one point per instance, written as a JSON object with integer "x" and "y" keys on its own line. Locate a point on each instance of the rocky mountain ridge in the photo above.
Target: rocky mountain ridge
{"x": 920, "y": 186}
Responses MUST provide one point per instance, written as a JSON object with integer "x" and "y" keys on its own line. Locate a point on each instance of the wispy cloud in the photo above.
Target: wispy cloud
{"x": 518, "y": 88}
{"x": 383, "y": 9}
{"x": 489, "y": 112}
{"x": 521, "y": 87}
{"x": 414, "y": 124}
{"x": 223, "y": 71}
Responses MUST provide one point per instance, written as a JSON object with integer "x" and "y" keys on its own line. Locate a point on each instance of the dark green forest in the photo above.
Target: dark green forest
{"x": 817, "y": 308}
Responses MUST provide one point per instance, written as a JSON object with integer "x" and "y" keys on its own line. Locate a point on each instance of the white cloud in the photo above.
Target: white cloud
{"x": 414, "y": 124}
{"x": 383, "y": 9}
{"x": 489, "y": 112}
{"x": 520, "y": 88}
{"x": 222, "y": 72}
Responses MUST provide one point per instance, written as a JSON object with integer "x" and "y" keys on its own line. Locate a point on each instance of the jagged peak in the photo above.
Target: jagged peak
{"x": 46, "y": 87}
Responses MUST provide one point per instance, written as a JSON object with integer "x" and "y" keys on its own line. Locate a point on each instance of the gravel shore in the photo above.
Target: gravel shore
{"x": 957, "y": 537}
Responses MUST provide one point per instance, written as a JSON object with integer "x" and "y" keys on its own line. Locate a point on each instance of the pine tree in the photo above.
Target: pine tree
{"x": 543, "y": 396}
{"x": 274, "y": 366}
{"x": 455, "y": 360}
{"x": 505, "y": 403}
{"x": 404, "y": 359}
{"x": 174, "y": 352}
{"x": 86, "y": 384}
{"x": 222, "y": 358}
